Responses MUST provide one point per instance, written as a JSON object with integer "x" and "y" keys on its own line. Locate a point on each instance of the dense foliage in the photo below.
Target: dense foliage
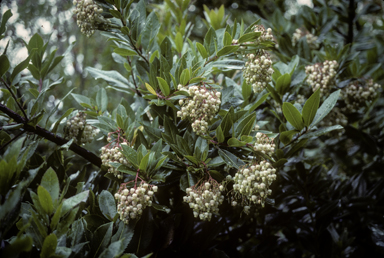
{"x": 208, "y": 136}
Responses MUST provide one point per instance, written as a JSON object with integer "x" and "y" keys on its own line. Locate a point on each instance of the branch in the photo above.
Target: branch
{"x": 91, "y": 157}
{"x": 351, "y": 18}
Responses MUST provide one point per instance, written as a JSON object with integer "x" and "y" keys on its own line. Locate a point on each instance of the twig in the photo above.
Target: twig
{"x": 14, "y": 97}
{"x": 133, "y": 77}
{"x": 11, "y": 140}
{"x": 91, "y": 157}
{"x": 133, "y": 45}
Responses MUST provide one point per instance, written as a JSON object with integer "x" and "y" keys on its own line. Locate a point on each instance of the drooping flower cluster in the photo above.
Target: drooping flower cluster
{"x": 131, "y": 202}
{"x": 258, "y": 71}
{"x": 311, "y": 39}
{"x": 266, "y": 34}
{"x": 322, "y": 76}
{"x": 251, "y": 184}
{"x": 264, "y": 144}
{"x": 205, "y": 198}
{"x": 78, "y": 129}
{"x": 113, "y": 154}
{"x": 356, "y": 94}
{"x": 200, "y": 107}
{"x": 89, "y": 16}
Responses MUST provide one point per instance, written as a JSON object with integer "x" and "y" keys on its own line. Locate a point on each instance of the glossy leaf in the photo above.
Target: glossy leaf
{"x": 310, "y": 108}
{"x": 326, "y": 107}
{"x": 293, "y": 115}
{"x": 107, "y": 204}
{"x": 45, "y": 200}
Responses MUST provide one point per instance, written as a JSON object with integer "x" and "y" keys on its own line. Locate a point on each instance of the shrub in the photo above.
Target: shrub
{"x": 253, "y": 140}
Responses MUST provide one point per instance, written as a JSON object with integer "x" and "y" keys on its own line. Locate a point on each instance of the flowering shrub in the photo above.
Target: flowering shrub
{"x": 208, "y": 136}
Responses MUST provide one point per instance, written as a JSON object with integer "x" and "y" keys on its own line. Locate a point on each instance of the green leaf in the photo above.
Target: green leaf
{"x": 50, "y": 182}
{"x": 82, "y": 99}
{"x": 249, "y": 37}
{"x": 102, "y": 99}
{"x": 246, "y": 90}
{"x": 179, "y": 42}
{"x": 101, "y": 239}
{"x": 4, "y": 65}
{"x": 279, "y": 163}
{"x": 125, "y": 52}
{"x": 45, "y": 200}
{"x": 286, "y": 137}
{"x": 130, "y": 154}
{"x": 326, "y": 107}
{"x": 164, "y": 87}
{"x": 74, "y": 201}
{"x": 228, "y": 64}
{"x": 149, "y": 33}
{"x": 144, "y": 162}
{"x": 227, "y": 122}
{"x": 227, "y": 50}
{"x": 227, "y": 40}
{"x": 231, "y": 159}
{"x": 233, "y": 142}
{"x": 258, "y": 103}
{"x": 293, "y": 115}
{"x": 219, "y": 134}
{"x": 112, "y": 77}
{"x": 107, "y": 205}
{"x": 4, "y": 20}
{"x": 246, "y": 125}
{"x": 115, "y": 249}
{"x": 192, "y": 159}
{"x": 202, "y": 50}
{"x": 310, "y": 107}
{"x": 20, "y": 67}
{"x": 49, "y": 246}
{"x": 210, "y": 41}
{"x": 35, "y": 42}
{"x": 56, "y": 217}
{"x": 321, "y": 131}
{"x": 185, "y": 76}
{"x": 115, "y": 13}
{"x": 160, "y": 163}
{"x": 283, "y": 83}
{"x": 150, "y": 89}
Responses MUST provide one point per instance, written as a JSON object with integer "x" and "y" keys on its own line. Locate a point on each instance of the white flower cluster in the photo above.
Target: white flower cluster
{"x": 132, "y": 202}
{"x": 89, "y": 16}
{"x": 251, "y": 184}
{"x": 201, "y": 107}
{"x": 78, "y": 130}
{"x": 322, "y": 76}
{"x": 355, "y": 95}
{"x": 113, "y": 155}
{"x": 311, "y": 39}
{"x": 205, "y": 199}
{"x": 335, "y": 117}
{"x": 264, "y": 144}
{"x": 266, "y": 34}
{"x": 258, "y": 71}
